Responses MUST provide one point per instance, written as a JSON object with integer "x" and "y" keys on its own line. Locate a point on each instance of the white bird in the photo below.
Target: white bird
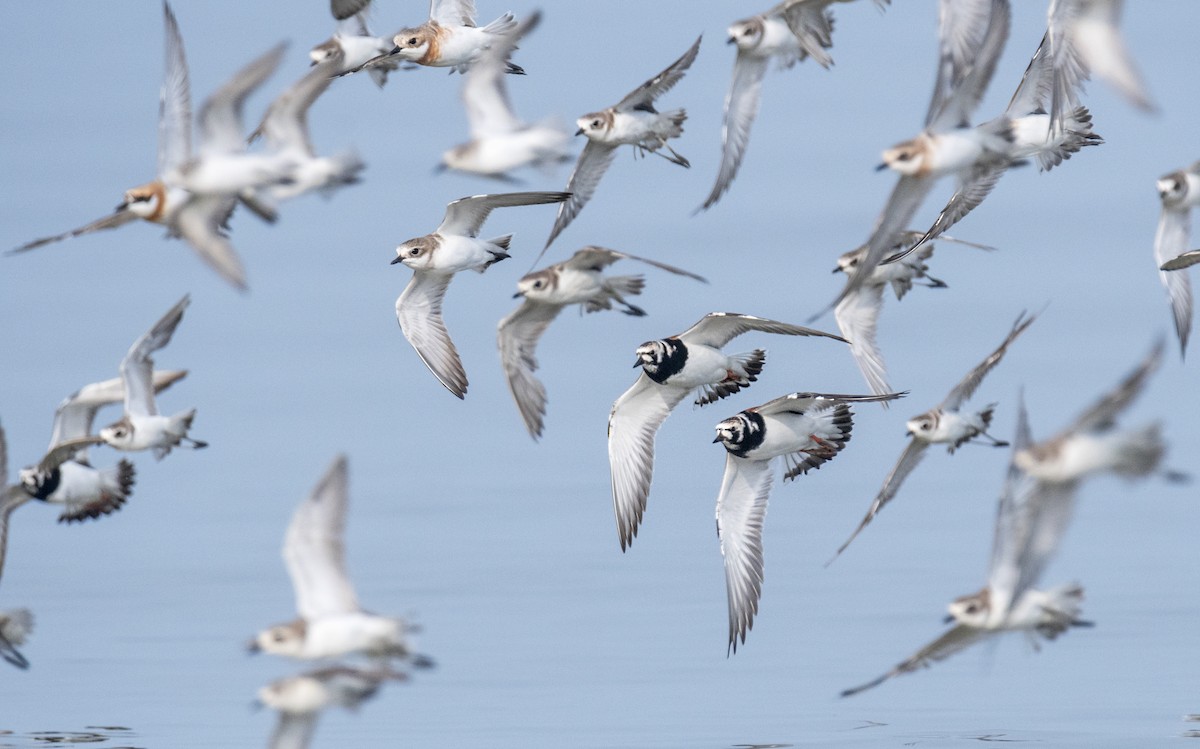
{"x": 671, "y": 368}
{"x": 1085, "y": 39}
{"x": 221, "y": 172}
{"x": 1036, "y": 134}
{"x": 1029, "y": 526}
{"x": 434, "y": 259}
{"x": 331, "y": 624}
{"x": 633, "y": 121}
{"x": 857, "y": 314}
{"x": 790, "y": 32}
{"x": 285, "y": 129}
{"x": 1180, "y": 193}
{"x": 577, "y": 280}
{"x": 142, "y": 427}
{"x": 450, "y": 38}
{"x": 501, "y": 141}
{"x": 300, "y": 699}
{"x": 160, "y": 200}
{"x": 945, "y": 424}
{"x": 1093, "y": 444}
{"x": 973, "y": 33}
{"x": 84, "y": 491}
{"x": 808, "y": 430}
{"x": 353, "y": 45}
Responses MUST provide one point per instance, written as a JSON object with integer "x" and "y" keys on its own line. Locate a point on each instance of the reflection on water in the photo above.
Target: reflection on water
{"x": 301, "y": 698}
{"x": 90, "y": 735}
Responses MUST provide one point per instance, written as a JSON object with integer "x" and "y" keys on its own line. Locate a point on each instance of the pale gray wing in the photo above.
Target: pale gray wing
{"x": 111, "y": 221}
{"x": 11, "y": 497}
{"x": 285, "y": 124}
{"x": 970, "y": 84}
{"x": 1046, "y": 514}
{"x": 1170, "y": 241}
{"x": 812, "y": 25}
{"x": 485, "y": 88}
{"x": 806, "y": 402}
{"x": 343, "y": 9}
{"x": 314, "y": 548}
{"x": 598, "y": 258}
{"x": 962, "y": 27}
{"x": 909, "y": 459}
{"x": 1014, "y": 520}
{"x": 220, "y": 116}
{"x": 954, "y": 640}
{"x": 857, "y": 317}
{"x": 200, "y": 222}
{"x": 741, "y": 507}
{"x": 74, "y": 416}
{"x": 593, "y": 162}
{"x": 1036, "y": 89}
{"x": 517, "y": 337}
{"x": 294, "y": 730}
{"x": 644, "y": 95}
{"x": 1186, "y": 260}
{"x": 465, "y": 216}
{"x": 969, "y": 384}
{"x": 419, "y": 311}
{"x": 1104, "y": 412}
{"x": 3, "y": 461}
{"x": 174, "y": 101}
{"x": 741, "y": 107}
{"x": 1068, "y": 71}
{"x": 719, "y": 328}
{"x": 453, "y": 12}
{"x": 906, "y": 197}
{"x": 137, "y": 367}
{"x": 976, "y": 185}
{"x": 632, "y": 427}
{"x": 1099, "y": 43}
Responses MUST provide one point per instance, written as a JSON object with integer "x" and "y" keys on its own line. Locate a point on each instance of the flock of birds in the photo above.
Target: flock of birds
{"x": 196, "y": 190}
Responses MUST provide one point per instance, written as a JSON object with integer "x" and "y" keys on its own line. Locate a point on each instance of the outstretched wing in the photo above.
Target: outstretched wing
{"x": 465, "y": 216}
{"x": 419, "y": 311}
{"x": 632, "y": 427}
{"x": 644, "y": 95}
{"x": 909, "y": 459}
{"x": 517, "y": 337}
{"x": 719, "y": 328}
{"x": 314, "y": 549}
{"x": 137, "y": 367}
{"x": 741, "y": 507}
{"x": 955, "y": 640}
{"x": 1170, "y": 241}
{"x": 741, "y": 107}
{"x": 111, "y": 221}
{"x": 965, "y": 389}
{"x": 593, "y": 162}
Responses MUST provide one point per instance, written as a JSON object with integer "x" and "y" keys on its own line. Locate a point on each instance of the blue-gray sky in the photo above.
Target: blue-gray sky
{"x": 504, "y": 549}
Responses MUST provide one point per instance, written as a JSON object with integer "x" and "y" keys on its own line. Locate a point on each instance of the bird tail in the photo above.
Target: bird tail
{"x": 1140, "y": 451}
{"x": 831, "y": 433}
{"x": 502, "y": 25}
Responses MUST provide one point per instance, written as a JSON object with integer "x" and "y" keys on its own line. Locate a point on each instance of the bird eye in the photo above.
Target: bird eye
{"x": 277, "y": 637}
{"x": 925, "y": 426}
{"x": 537, "y": 284}
{"x": 596, "y": 123}
{"x": 748, "y": 32}
{"x": 415, "y": 251}
{"x": 412, "y": 42}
